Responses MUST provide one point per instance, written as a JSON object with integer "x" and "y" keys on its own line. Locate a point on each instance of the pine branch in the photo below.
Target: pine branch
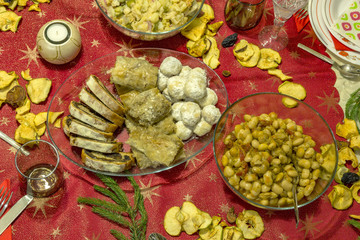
{"x": 107, "y": 192}
{"x": 117, "y": 218}
{"x": 137, "y": 194}
{"x": 102, "y": 203}
{"x": 110, "y": 182}
{"x": 120, "y": 212}
{"x": 118, "y": 235}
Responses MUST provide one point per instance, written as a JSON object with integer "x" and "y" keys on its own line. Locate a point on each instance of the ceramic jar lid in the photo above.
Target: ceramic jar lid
{"x": 58, "y": 41}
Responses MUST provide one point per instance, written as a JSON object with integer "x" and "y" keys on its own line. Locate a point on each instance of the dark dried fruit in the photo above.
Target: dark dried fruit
{"x": 16, "y": 96}
{"x": 349, "y": 178}
{"x": 229, "y": 41}
{"x": 226, "y": 73}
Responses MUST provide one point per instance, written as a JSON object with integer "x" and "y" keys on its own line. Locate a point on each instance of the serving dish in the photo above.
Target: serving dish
{"x": 313, "y": 125}
{"x": 331, "y": 12}
{"x": 109, "y": 13}
{"x": 316, "y": 10}
{"x": 70, "y": 88}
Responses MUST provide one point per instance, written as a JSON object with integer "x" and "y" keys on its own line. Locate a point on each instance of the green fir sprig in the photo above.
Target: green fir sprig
{"x": 121, "y": 212}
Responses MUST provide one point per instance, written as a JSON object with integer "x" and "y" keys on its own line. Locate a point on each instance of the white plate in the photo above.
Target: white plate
{"x": 317, "y": 22}
{"x": 331, "y": 11}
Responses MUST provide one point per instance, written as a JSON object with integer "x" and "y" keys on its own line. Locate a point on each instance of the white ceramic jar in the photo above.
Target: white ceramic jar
{"x": 58, "y": 41}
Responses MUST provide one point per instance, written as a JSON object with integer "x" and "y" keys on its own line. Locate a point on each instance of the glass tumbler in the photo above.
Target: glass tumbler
{"x": 244, "y": 14}
{"x": 40, "y": 172}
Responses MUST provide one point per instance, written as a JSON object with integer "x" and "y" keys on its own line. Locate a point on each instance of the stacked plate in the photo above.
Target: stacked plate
{"x": 323, "y": 14}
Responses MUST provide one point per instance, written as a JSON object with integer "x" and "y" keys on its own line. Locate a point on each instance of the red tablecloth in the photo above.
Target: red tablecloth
{"x": 198, "y": 180}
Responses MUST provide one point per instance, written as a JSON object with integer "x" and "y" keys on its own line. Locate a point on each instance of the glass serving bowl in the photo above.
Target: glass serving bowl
{"x": 146, "y": 36}
{"x": 70, "y": 88}
{"x": 304, "y": 115}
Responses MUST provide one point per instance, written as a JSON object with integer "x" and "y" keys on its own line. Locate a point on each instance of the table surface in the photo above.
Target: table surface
{"x": 197, "y": 180}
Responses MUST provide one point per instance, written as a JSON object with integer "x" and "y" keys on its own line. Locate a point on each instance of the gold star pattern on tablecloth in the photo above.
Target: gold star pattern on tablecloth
{"x": 274, "y": 80}
{"x": 309, "y": 225}
{"x": 312, "y": 74}
{"x": 125, "y": 47}
{"x": 81, "y": 206}
{"x": 252, "y": 86}
{"x": 40, "y": 204}
{"x": 4, "y": 121}
{"x": 294, "y": 55}
{"x": 213, "y": 177}
{"x": 188, "y": 198}
{"x": 282, "y": 236}
{"x": 190, "y": 152}
{"x": 41, "y": 14}
{"x": 307, "y": 123}
{"x": 97, "y": 237}
{"x": 1, "y": 171}
{"x": 237, "y": 111}
{"x": 1, "y": 50}
{"x": 56, "y": 232}
{"x": 311, "y": 34}
{"x": 147, "y": 191}
{"x": 94, "y": 4}
{"x": 95, "y": 43}
{"x": 66, "y": 175}
{"x": 225, "y": 208}
{"x": 268, "y": 11}
{"x": 12, "y": 150}
{"x": 193, "y": 161}
{"x": 30, "y": 55}
{"x": 76, "y": 22}
{"x": 329, "y": 101}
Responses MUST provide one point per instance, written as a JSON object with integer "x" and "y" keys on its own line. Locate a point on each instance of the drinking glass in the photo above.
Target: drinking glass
{"x": 274, "y": 36}
{"x": 40, "y": 172}
{"x": 244, "y": 14}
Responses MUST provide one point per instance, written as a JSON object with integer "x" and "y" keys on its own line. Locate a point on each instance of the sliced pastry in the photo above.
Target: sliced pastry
{"x": 104, "y": 95}
{"x": 95, "y": 145}
{"x": 93, "y": 102}
{"x": 87, "y": 115}
{"x": 113, "y": 162}
{"x": 73, "y": 125}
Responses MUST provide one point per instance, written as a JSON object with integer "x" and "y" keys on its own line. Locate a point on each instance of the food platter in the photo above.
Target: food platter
{"x": 316, "y": 11}
{"x": 71, "y": 87}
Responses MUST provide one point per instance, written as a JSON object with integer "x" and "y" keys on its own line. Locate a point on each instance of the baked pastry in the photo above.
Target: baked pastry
{"x": 74, "y": 126}
{"x": 94, "y": 103}
{"x": 134, "y": 73}
{"x": 104, "y": 95}
{"x": 89, "y": 116}
{"x": 152, "y": 148}
{"x": 146, "y": 108}
{"x": 113, "y": 162}
{"x": 95, "y": 145}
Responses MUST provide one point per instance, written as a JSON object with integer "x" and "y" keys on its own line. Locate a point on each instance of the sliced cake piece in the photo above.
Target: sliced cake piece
{"x": 87, "y": 115}
{"x": 95, "y": 145}
{"x": 94, "y": 103}
{"x": 104, "y": 95}
{"x": 113, "y": 162}
{"x": 73, "y": 125}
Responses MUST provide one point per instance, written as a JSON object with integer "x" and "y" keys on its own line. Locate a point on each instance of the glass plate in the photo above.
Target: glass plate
{"x": 70, "y": 88}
